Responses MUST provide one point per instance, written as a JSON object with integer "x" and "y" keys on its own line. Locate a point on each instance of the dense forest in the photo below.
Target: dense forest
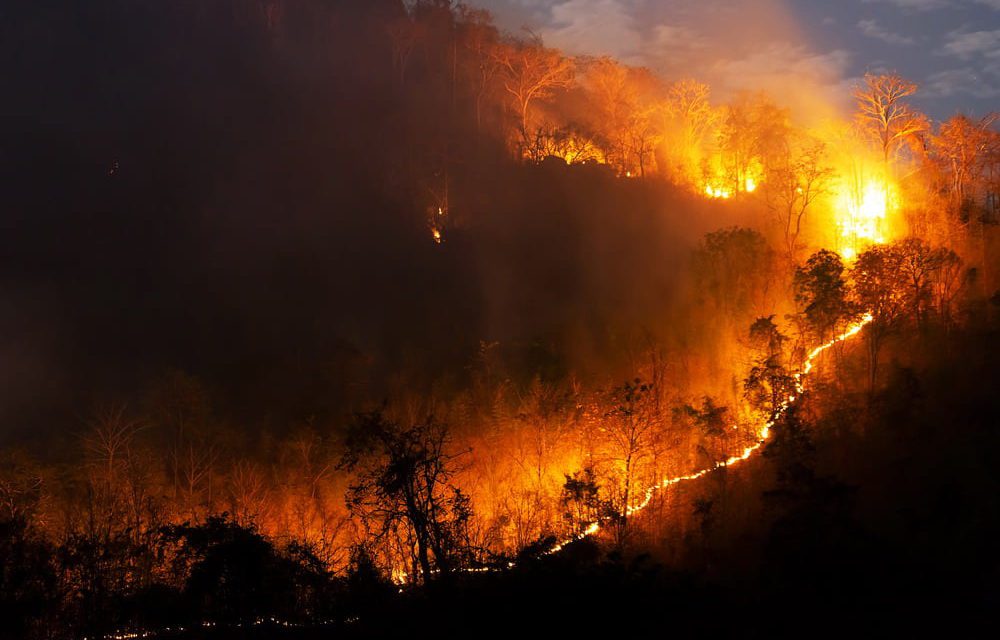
{"x": 323, "y": 317}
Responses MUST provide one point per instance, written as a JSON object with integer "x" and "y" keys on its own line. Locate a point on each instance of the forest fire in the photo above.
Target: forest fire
{"x": 763, "y": 434}
{"x": 394, "y": 318}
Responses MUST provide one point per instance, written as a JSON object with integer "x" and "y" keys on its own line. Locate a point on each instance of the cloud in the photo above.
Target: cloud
{"x": 751, "y": 45}
{"x": 810, "y": 83}
{"x": 919, "y": 5}
{"x": 676, "y": 50}
{"x": 873, "y": 30}
{"x": 963, "y": 81}
{"x": 993, "y": 4}
{"x": 595, "y": 27}
{"x": 973, "y": 44}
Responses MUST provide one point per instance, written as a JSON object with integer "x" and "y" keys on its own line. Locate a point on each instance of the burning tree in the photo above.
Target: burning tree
{"x": 624, "y": 109}
{"x": 690, "y": 121}
{"x": 631, "y": 427}
{"x": 754, "y": 134}
{"x": 796, "y": 178}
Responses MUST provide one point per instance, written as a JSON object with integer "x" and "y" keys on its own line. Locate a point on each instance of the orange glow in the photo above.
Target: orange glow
{"x": 763, "y": 434}
{"x": 723, "y": 184}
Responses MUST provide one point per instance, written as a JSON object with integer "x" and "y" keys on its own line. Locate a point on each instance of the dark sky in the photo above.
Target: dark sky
{"x": 951, "y": 47}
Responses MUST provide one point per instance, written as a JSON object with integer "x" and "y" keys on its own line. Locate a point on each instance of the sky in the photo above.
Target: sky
{"x": 950, "y": 47}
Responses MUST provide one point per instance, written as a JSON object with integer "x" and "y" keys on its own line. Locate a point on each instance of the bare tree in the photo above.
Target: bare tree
{"x": 962, "y": 146}
{"x": 480, "y": 39}
{"x": 21, "y": 488}
{"x": 196, "y": 463}
{"x": 689, "y": 122}
{"x": 118, "y": 475}
{"x": 531, "y": 72}
{"x": 248, "y": 493}
{"x": 884, "y": 114}
{"x": 624, "y": 113}
{"x": 794, "y": 182}
{"x": 632, "y": 430}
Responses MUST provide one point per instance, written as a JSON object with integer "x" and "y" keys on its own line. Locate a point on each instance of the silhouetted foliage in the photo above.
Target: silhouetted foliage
{"x": 231, "y": 573}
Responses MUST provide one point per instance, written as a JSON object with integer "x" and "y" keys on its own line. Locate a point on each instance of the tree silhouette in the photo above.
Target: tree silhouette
{"x": 822, "y": 291}
{"x": 403, "y": 488}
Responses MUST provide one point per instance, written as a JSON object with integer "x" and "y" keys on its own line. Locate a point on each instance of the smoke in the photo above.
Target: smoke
{"x": 747, "y": 46}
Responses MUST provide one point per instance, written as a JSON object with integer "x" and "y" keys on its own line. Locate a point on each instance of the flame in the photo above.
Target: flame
{"x": 763, "y": 435}
{"x": 724, "y": 186}
{"x": 436, "y": 234}
{"x": 718, "y": 192}
{"x": 401, "y": 577}
{"x": 862, "y": 216}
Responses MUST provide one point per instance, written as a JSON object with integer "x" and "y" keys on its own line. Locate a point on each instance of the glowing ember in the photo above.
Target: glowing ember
{"x": 717, "y": 192}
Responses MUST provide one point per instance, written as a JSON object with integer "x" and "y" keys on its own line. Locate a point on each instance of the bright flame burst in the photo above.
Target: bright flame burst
{"x": 862, "y": 217}
{"x": 717, "y": 192}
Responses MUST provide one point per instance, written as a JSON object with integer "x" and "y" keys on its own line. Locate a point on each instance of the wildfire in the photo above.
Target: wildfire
{"x": 763, "y": 435}
{"x": 402, "y": 578}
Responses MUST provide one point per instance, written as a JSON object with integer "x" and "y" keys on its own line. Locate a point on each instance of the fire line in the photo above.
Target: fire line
{"x": 764, "y": 435}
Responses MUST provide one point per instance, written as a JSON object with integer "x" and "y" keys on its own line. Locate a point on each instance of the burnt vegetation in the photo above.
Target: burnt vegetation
{"x": 366, "y": 318}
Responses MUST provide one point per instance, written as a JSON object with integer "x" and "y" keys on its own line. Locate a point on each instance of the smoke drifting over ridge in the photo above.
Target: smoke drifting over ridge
{"x": 756, "y": 45}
